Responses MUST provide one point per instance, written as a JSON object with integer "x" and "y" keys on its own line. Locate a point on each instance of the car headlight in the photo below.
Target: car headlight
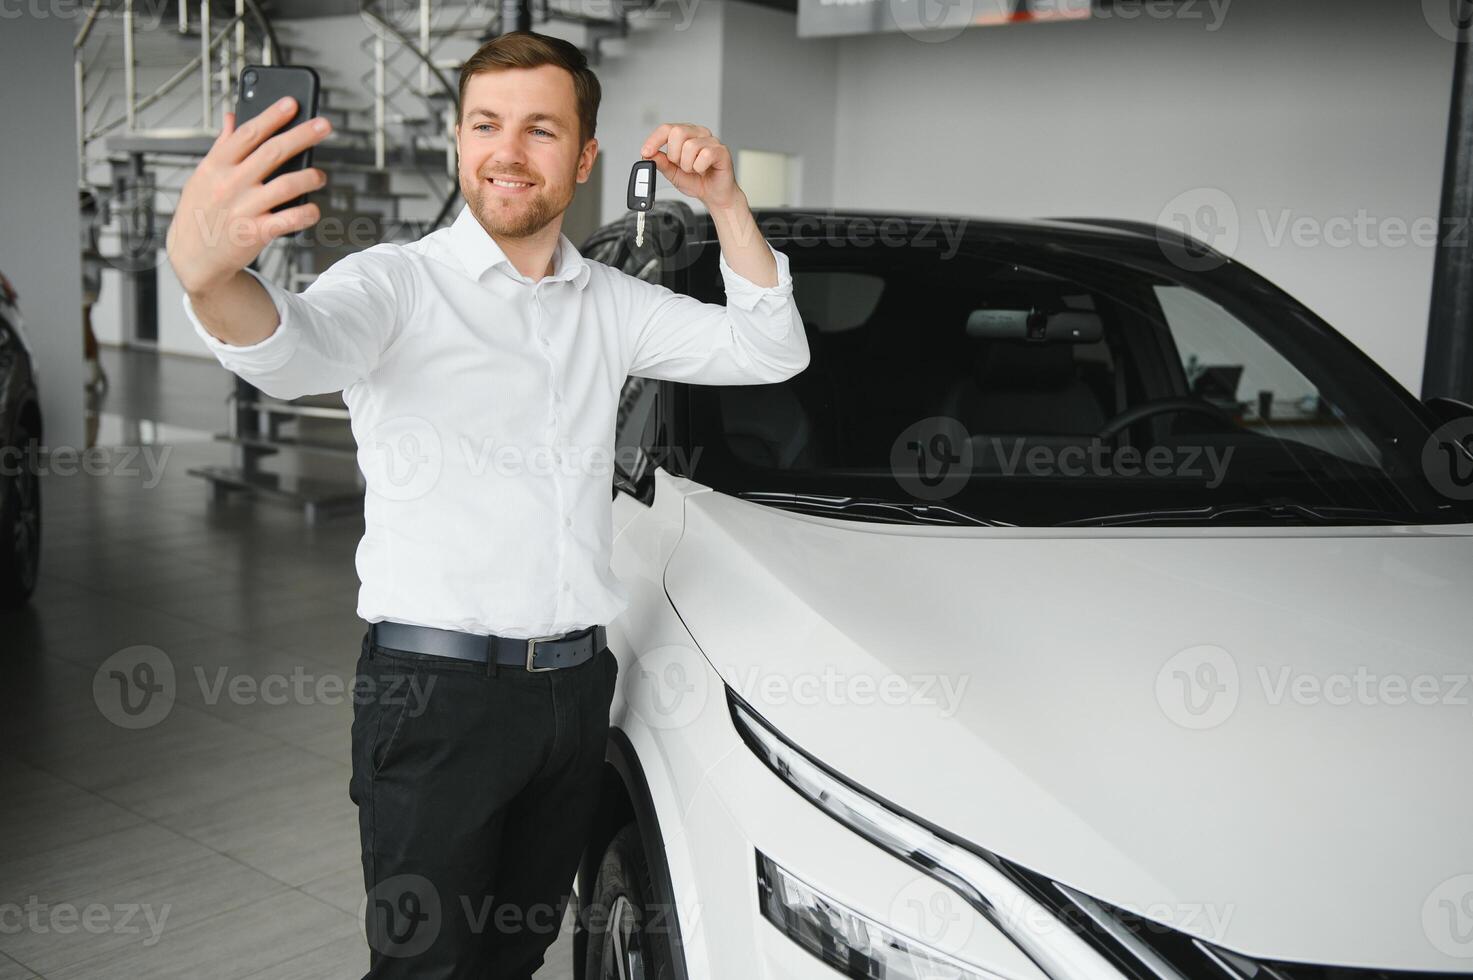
{"x": 977, "y": 877}
{"x": 850, "y": 942}
{"x": 1068, "y": 934}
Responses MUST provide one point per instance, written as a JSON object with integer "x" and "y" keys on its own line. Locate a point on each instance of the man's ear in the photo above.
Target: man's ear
{"x": 586, "y": 158}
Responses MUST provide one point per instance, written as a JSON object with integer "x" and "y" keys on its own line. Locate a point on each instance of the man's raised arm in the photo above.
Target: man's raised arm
{"x": 758, "y": 336}
{"x": 284, "y": 343}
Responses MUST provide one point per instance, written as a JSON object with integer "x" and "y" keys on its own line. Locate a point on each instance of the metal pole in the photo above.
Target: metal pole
{"x": 240, "y": 37}
{"x": 130, "y": 80}
{"x": 450, "y": 149}
{"x": 378, "y": 101}
{"x": 81, "y": 100}
{"x": 207, "y": 102}
{"x": 132, "y": 206}
{"x": 87, "y": 24}
{"x": 424, "y": 46}
{"x": 222, "y": 79}
{"x": 1448, "y": 368}
{"x": 516, "y": 15}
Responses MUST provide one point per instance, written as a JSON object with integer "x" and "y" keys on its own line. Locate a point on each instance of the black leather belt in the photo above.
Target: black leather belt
{"x": 536, "y": 653}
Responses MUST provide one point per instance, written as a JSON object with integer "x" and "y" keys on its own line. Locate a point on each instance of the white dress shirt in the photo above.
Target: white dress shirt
{"x": 483, "y": 404}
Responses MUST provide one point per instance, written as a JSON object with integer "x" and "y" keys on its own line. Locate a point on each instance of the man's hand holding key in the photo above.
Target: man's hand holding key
{"x": 224, "y": 219}
{"x": 700, "y": 166}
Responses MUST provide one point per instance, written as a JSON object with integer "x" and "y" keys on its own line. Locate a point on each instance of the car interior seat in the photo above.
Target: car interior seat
{"x": 1023, "y": 392}
{"x": 1024, "y": 388}
{"x": 766, "y": 425}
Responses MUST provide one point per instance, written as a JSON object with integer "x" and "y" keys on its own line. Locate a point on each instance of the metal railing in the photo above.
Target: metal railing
{"x": 388, "y": 39}
{"x": 389, "y": 23}
{"x": 414, "y": 84}
{"x": 248, "y": 33}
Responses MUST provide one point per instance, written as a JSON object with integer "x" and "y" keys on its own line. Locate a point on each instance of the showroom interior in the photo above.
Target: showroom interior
{"x": 1327, "y": 146}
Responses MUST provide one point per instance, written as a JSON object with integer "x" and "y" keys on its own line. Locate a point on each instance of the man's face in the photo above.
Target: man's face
{"x": 521, "y": 124}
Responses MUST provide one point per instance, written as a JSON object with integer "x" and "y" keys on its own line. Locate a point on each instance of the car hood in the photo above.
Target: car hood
{"x": 1259, "y": 736}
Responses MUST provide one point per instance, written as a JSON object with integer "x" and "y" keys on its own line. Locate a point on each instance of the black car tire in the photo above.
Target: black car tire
{"x": 620, "y": 916}
{"x": 20, "y": 523}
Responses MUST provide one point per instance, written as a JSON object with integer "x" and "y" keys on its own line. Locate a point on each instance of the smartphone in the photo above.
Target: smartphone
{"x": 258, "y": 89}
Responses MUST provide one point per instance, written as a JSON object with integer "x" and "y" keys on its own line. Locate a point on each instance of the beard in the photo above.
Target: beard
{"x": 513, "y": 217}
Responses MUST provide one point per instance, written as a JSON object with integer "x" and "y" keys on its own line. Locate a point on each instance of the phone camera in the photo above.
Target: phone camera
{"x": 249, "y": 78}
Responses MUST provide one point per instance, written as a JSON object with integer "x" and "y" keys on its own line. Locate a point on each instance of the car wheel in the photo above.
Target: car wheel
{"x": 626, "y": 936}
{"x": 20, "y": 528}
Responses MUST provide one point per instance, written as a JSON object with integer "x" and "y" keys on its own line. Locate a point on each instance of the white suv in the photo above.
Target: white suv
{"x": 1088, "y": 608}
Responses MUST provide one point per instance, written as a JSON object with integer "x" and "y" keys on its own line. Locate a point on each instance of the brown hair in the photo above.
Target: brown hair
{"x": 528, "y": 49}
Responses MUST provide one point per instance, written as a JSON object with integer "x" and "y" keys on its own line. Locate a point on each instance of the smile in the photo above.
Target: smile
{"x": 510, "y": 185}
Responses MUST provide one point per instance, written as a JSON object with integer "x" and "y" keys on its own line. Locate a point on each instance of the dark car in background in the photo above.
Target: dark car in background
{"x": 20, "y": 431}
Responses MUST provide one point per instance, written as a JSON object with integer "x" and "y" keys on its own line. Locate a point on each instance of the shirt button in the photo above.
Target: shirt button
{"x": 567, "y": 522}
{"x": 566, "y": 586}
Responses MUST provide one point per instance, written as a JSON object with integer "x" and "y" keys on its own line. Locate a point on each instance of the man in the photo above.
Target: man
{"x": 482, "y": 366}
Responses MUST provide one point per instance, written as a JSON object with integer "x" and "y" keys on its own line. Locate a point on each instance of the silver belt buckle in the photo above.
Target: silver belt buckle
{"x": 532, "y": 651}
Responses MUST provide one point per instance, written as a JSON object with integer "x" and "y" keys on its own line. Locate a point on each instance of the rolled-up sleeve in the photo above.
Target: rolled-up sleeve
{"x": 331, "y": 335}
{"x": 756, "y": 338}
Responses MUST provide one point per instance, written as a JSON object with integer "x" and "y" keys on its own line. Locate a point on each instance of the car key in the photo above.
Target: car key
{"x": 641, "y": 195}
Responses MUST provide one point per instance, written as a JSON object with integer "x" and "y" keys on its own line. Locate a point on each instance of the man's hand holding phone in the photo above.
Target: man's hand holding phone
{"x": 224, "y": 218}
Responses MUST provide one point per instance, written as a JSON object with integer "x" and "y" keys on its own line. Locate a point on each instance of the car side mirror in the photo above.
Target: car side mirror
{"x": 638, "y": 480}
{"x": 1448, "y": 409}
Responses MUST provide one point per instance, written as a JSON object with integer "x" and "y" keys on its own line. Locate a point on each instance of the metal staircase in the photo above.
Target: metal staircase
{"x": 392, "y": 150}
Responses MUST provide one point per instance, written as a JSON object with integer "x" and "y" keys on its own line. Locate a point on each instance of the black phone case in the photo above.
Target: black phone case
{"x": 273, "y": 82}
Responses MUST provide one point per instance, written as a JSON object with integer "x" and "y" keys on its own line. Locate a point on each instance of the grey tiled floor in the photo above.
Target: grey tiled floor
{"x": 219, "y": 842}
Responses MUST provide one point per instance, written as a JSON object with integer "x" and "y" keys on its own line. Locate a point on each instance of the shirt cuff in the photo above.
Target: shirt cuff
{"x": 263, "y": 355}
{"x": 744, "y": 293}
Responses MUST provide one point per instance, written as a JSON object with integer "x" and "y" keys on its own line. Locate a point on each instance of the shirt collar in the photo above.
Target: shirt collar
{"x": 477, "y": 252}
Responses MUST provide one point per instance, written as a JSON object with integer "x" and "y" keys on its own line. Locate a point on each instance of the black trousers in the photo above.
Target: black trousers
{"x": 475, "y": 792}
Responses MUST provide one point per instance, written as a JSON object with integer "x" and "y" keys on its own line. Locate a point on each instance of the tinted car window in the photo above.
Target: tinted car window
{"x": 1042, "y": 384}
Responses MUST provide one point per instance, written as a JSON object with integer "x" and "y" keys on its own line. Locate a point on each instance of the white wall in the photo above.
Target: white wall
{"x": 669, "y": 70}
{"x": 780, "y": 93}
{"x": 1312, "y": 108}
{"x": 40, "y": 232}
{"x": 734, "y": 67}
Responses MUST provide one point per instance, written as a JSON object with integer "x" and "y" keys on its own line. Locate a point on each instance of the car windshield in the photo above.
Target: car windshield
{"x": 1041, "y": 383}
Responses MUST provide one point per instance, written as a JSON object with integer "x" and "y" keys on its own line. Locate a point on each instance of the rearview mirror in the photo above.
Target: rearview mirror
{"x": 1063, "y": 327}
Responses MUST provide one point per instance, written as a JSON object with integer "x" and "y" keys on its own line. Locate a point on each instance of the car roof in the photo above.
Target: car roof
{"x": 1120, "y": 233}
{"x": 1119, "y": 237}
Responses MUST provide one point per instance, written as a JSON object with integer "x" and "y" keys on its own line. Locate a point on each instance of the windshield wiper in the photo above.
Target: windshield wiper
{"x": 912, "y": 512}
{"x": 1281, "y": 511}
